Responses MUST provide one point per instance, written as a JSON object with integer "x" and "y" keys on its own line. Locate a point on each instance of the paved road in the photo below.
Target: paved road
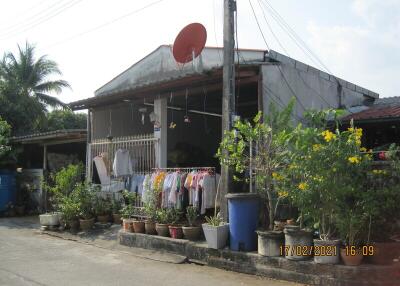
{"x": 29, "y": 258}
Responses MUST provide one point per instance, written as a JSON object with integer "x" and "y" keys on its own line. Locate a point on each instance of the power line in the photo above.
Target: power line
{"x": 277, "y": 39}
{"x": 47, "y": 17}
{"x": 271, "y": 30}
{"x": 283, "y": 75}
{"x": 22, "y": 23}
{"x": 215, "y": 31}
{"x": 106, "y": 24}
{"x": 280, "y": 18}
{"x": 258, "y": 24}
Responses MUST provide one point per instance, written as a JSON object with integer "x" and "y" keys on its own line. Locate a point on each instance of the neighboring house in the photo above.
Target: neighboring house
{"x": 379, "y": 120}
{"x": 48, "y": 152}
{"x": 137, "y": 109}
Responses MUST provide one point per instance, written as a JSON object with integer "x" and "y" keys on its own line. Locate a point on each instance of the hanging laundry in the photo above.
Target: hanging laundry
{"x": 101, "y": 170}
{"x": 122, "y": 165}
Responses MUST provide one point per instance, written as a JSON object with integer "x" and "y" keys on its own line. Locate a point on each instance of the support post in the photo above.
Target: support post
{"x": 228, "y": 95}
{"x": 160, "y": 132}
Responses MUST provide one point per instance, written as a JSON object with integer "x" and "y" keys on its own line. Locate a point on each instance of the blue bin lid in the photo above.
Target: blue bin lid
{"x": 242, "y": 196}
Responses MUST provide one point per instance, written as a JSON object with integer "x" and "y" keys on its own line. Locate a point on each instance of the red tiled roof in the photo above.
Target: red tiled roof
{"x": 376, "y": 112}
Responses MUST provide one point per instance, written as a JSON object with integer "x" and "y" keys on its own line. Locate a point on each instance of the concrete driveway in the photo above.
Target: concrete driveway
{"x": 30, "y": 258}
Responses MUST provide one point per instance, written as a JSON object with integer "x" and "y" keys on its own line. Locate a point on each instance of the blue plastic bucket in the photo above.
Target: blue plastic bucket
{"x": 7, "y": 188}
{"x": 243, "y": 211}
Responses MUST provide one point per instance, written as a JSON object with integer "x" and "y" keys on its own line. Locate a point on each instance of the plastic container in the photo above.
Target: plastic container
{"x": 243, "y": 211}
{"x": 7, "y": 188}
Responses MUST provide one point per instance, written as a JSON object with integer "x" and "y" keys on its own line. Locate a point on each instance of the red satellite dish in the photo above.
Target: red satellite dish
{"x": 189, "y": 43}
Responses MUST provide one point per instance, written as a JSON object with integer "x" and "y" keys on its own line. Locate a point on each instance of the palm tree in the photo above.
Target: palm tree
{"x": 30, "y": 77}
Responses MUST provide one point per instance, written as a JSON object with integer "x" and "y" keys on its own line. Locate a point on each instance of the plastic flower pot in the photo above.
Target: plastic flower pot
{"x": 326, "y": 251}
{"x": 243, "y": 211}
{"x": 270, "y": 243}
{"x": 191, "y": 232}
{"x": 150, "y": 227}
{"x": 138, "y": 226}
{"x": 127, "y": 225}
{"x": 216, "y": 236}
{"x": 86, "y": 224}
{"x": 351, "y": 260}
{"x": 103, "y": 218}
{"x": 298, "y": 243}
{"x": 49, "y": 219}
{"x": 162, "y": 229}
{"x": 175, "y": 231}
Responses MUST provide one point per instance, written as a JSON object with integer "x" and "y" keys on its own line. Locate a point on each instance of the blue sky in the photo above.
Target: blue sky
{"x": 356, "y": 39}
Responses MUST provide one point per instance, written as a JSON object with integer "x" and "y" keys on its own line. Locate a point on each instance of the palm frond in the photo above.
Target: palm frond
{"x": 52, "y": 86}
{"x": 50, "y": 100}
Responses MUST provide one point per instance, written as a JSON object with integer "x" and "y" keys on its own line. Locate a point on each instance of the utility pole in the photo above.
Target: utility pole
{"x": 228, "y": 94}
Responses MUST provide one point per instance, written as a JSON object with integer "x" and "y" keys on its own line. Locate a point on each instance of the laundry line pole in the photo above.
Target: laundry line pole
{"x": 228, "y": 95}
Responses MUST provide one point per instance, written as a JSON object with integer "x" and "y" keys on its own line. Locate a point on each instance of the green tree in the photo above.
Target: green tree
{"x": 65, "y": 119}
{"x": 7, "y": 156}
{"x": 26, "y": 86}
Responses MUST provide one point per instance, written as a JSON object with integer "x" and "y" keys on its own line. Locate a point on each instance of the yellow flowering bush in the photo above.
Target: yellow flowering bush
{"x": 327, "y": 162}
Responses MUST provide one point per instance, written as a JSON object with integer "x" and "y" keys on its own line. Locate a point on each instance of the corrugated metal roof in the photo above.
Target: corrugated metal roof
{"x": 383, "y": 108}
{"x": 50, "y": 135}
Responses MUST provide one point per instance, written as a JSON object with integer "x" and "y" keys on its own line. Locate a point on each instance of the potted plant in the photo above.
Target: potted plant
{"x": 102, "y": 209}
{"x": 85, "y": 196}
{"x": 58, "y": 186}
{"x": 162, "y": 221}
{"x": 216, "y": 231}
{"x": 138, "y": 223}
{"x": 69, "y": 209}
{"x": 191, "y": 231}
{"x": 175, "y": 229}
{"x": 127, "y": 213}
{"x": 151, "y": 217}
{"x": 381, "y": 199}
{"x": 116, "y": 207}
{"x": 260, "y": 149}
{"x": 323, "y": 165}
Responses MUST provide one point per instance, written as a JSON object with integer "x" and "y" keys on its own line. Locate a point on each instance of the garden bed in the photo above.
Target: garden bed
{"x": 306, "y": 272}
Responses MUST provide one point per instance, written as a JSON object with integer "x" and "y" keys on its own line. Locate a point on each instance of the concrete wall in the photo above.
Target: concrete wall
{"x": 313, "y": 88}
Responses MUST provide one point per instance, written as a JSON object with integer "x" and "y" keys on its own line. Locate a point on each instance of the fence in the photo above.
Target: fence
{"x": 141, "y": 149}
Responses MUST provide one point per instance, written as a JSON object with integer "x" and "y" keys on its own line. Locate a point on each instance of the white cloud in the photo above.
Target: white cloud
{"x": 364, "y": 53}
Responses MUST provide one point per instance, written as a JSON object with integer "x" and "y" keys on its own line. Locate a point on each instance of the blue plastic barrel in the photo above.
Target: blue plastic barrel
{"x": 243, "y": 211}
{"x": 7, "y": 188}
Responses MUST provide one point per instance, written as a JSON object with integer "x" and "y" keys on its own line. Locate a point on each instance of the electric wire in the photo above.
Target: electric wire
{"x": 215, "y": 31}
{"x": 283, "y": 75}
{"x": 106, "y": 24}
{"x": 46, "y": 18}
{"x": 296, "y": 36}
{"x": 281, "y": 45}
{"x": 22, "y": 23}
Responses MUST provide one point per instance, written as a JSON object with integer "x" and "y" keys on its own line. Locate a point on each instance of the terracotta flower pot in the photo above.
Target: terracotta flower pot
{"x": 150, "y": 227}
{"x": 127, "y": 225}
{"x": 175, "y": 231}
{"x": 117, "y": 218}
{"x": 191, "y": 232}
{"x": 138, "y": 226}
{"x": 86, "y": 224}
{"x": 351, "y": 260}
{"x": 162, "y": 229}
{"x": 103, "y": 218}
